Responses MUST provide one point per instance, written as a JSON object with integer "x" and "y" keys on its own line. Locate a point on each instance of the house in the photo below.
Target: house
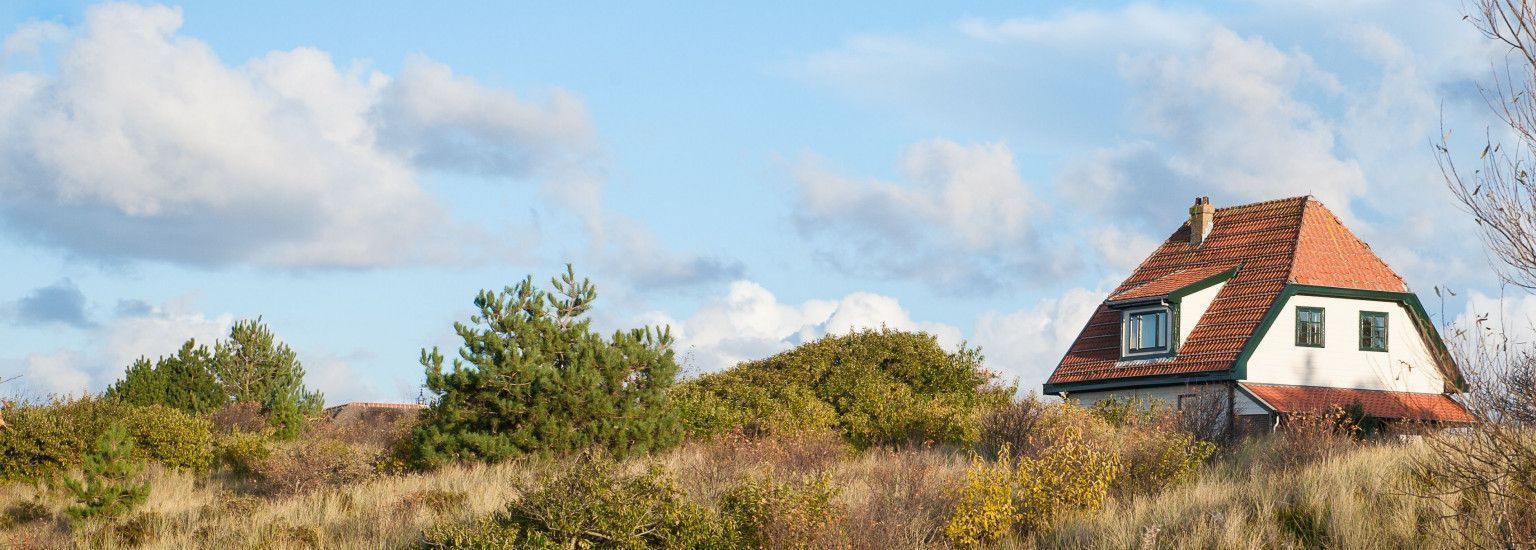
{"x": 1275, "y": 308}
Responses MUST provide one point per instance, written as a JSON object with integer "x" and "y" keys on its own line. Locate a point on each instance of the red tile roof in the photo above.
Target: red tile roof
{"x": 1294, "y": 240}
{"x": 1170, "y": 282}
{"x": 1381, "y": 404}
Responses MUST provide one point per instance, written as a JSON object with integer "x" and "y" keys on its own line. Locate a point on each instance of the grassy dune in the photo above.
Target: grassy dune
{"x": 886, "y": 499}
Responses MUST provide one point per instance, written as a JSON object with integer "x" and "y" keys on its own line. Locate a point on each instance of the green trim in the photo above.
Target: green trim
{"x": 1384, "y": 329}
{"x": 1409, "y": 299}
{"x": 1322, "y": 327}
{"x": 1138, "y": 382}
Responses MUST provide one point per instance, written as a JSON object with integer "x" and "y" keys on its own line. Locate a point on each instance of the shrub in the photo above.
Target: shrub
{"x": 487, "y": 533}
{"x": 881, "y": 387}
{"x": 985, "y": 511}
{"x": 535, "y": 379}
{"x": 1012, "y": 427}
{"x": 595, "y": 503}
{"x": 239, "y": 417}
{"x": 184, "y": 381}
{"x": 107, "y": 486}
{"x": 170, "y": 436}
{"x": 46, "y": 439}
{"x": 242, "y": 452}
{"x": 1156, "y": 459}
{"x": 307, "y": 464}
{"x": 1070, "y": 475}
{"x": 766, "y": 513}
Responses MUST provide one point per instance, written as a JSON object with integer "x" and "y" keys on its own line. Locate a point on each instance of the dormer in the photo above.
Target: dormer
{"x": 1155, "y": 317}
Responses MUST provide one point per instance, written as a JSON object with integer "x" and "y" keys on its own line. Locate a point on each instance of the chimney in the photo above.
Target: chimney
{"x": 1201, "y": 218}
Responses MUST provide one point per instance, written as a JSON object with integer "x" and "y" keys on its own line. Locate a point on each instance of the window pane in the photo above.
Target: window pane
{"x": 1147, "y": 331}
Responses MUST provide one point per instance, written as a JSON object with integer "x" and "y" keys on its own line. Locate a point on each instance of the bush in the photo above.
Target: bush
{"x": 242, "y": 452}
{"x": 766, "y": 513}
{"x": 486, "y": 533}
{"x": 170, "y": 436}
{"x": 877, "y": 387}
{"x": 1011, "y": 427}
{"x": 45, "y": 439}
{"x": 1156, "y": 459}
{"x": 236, "y": 417}
{"x": 307, "y": 464}
{"x": 594, "y": 503}
{"x": 985, "y": 512}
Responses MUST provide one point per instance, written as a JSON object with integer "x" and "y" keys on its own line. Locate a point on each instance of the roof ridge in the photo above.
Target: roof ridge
{"x": 1266, "y": 202}
{"x": 1301, "y": 221}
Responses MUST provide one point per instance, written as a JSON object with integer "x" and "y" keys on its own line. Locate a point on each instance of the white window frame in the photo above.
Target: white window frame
{"x": 1125, "y": 331}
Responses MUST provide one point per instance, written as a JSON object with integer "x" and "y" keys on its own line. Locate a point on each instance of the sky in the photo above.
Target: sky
{"x": 354, "y": 172}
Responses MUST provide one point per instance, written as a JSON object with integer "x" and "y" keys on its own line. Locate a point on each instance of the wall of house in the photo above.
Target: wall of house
{"x": 1193, "y": 307}
{"x": 1408, "y": 364}
{"x": 1167, "y": 394}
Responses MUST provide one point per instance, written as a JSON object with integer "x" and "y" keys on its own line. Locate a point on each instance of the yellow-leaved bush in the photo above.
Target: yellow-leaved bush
{"x": 985, "y": 512}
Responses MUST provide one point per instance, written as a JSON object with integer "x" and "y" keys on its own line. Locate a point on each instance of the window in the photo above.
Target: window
{"x": 1146, "y": 331}
{"x": 1373, "y": 331}
{"x": 1309, "y": 327}
{"x": 1188, "y": 402}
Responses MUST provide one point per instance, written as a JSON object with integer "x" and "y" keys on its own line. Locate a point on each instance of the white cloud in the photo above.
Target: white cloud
{"x": 750, "y": 323}
{"x": 142, "y": 143}
{"x": 1028, "y": 343}
{"x": 962, "y": 217}
{"x": 29, "y": 38}
{"x": 159, "y": 332}
{"x": 1133, "y": 26}
{"x": 56, "y": 373}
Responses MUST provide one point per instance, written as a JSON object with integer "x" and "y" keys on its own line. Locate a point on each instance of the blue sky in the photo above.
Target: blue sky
{"x": 754, "y": 177}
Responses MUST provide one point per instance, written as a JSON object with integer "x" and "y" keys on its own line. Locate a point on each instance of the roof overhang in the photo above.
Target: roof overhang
{"x": 1172, "y": 288}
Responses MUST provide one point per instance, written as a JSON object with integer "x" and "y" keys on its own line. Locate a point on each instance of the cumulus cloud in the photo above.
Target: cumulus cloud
{"x": 60, "y": 303}
{"x": 749, "y": 322}
{"x": 961, "y": 218}
{"x": 57, "y": 373}
{"x": 142, "y": 143}
{"x": 1028, "y": 343}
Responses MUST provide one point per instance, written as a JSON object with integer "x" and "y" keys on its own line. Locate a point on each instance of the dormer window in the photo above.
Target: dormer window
{"x": 1146, "y": 331}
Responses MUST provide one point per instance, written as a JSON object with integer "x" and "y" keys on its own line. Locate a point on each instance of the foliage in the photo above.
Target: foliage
{"x": 766, "y": 513}
{"x": 309, "y": 463}
{"x": 1157, "y": 459}
{"x": 184, "y": 381}
{"x": 594, "y": 503}
{"x": 986, "y": 512}
{"x": 253, "y": 367}
{"x": 1122, "y": 411}
{"x": 45, "y": 439}
{"x": 250, "y": 366}
{"x": 1070, "y": 475}
{"x": 242, "y": 452}
{"x": 533, "y": 378}
{"x": 487, "y": 533}
{"x": 877, "y": 387}
{"x": 108, "y": 486}
{"x": 1010, "y": 429}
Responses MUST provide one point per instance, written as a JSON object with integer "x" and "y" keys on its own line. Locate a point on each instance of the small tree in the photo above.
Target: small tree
{"x": 532, "y": 377}
{"x": 252, "y": 366}
{"x": 184, "y": 381}
{"x": 108, "y": 486}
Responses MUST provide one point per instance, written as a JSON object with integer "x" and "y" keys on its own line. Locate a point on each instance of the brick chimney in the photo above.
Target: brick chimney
{"x": 1201, "y": 218}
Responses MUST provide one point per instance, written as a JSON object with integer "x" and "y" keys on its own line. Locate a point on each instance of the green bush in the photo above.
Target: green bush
{"x": 876, "y": 387}
{"x": 242, "y": 452}
{"x": 45, "y": 439}
{"x": 1157, "y": 459}
{"x": 766, "y": 513}
{"x": 487, "y": 533}
{"x": 170, "y": 436}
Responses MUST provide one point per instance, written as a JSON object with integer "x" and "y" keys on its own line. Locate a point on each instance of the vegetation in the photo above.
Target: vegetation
{"x": 533, "y": 378}
{"x": 108, "y": 485}
{"x": 251, "y": 366}
{"x": 874, "y": 387}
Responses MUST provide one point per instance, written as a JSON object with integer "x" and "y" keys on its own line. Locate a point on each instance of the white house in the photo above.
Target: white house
{"x": 1277, "y": 306}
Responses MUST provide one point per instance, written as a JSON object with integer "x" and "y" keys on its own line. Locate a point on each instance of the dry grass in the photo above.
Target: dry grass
{"x": 891, "y": 499}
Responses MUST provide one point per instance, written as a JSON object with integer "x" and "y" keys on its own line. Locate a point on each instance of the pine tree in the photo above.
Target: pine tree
{"x": 533, "y": 378}
{"x": 252, "y": 366}
{"x": 108, "y": 487}
{"x": 184, "y": 381}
